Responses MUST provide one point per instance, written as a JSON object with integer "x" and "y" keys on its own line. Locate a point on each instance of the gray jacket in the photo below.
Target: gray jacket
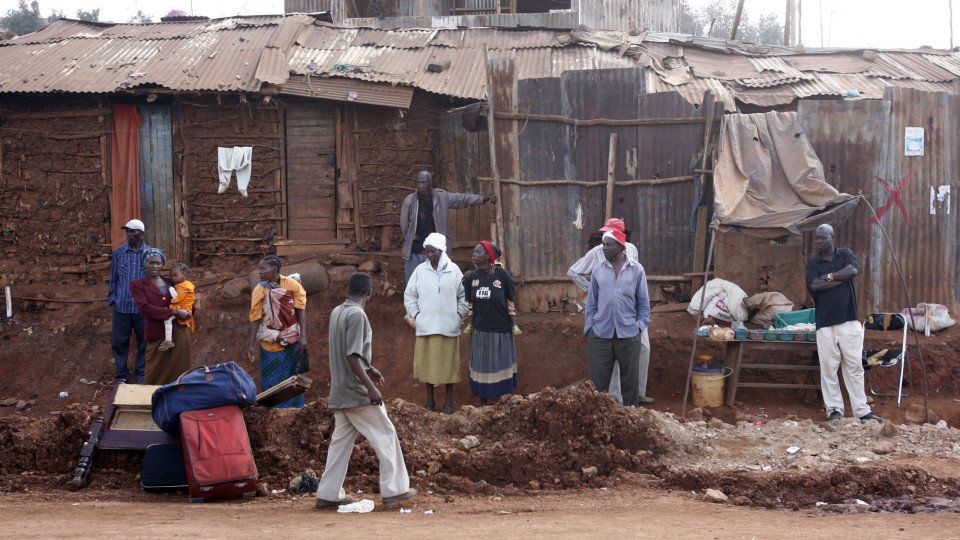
{"x": 443, "y": 201}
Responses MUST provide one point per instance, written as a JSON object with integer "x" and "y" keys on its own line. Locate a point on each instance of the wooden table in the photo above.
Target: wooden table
{"x": 734, "y": 360}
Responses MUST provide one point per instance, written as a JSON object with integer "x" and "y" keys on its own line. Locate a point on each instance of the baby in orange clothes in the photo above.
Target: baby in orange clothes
{"x": 183, "y": 297}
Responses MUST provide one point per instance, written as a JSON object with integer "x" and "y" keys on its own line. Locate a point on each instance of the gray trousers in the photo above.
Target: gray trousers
{"x": 644, "y": 365}
{"x": 604, "y": 353}
{"x": 372, "y": 422}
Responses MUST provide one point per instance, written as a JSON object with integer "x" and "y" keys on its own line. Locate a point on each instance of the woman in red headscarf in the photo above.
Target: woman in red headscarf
{"x": 493, "y": 354}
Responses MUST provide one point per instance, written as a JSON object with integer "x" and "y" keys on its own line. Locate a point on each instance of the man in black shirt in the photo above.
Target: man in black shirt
{"x": 425, "y": 211}
{"x": 830, "y": 276}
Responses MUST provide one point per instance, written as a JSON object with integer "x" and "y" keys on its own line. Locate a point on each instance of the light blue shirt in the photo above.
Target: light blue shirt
{"x": 617, "y": 305}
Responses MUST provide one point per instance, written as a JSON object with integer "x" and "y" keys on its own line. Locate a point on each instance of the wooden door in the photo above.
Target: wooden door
{"x": 311, "y": 171}
{"x": 157, "y": 202}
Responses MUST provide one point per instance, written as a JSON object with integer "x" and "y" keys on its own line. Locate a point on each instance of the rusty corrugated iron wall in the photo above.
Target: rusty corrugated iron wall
{"x": 548, "y": 224}
{"x": 860, "y": 141}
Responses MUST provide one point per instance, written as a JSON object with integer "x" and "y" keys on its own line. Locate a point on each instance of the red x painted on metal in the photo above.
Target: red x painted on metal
{"x": 894, "y": 198}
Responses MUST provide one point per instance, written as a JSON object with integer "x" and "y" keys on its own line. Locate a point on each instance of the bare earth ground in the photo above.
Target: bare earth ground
{"x": 566, "y": 461}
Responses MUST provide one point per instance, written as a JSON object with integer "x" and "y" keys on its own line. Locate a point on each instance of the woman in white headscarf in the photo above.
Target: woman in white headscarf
{"x": 436, "y": 301}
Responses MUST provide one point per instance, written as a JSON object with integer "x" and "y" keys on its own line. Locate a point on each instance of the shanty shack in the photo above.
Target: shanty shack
{"x": 104, "y": 122}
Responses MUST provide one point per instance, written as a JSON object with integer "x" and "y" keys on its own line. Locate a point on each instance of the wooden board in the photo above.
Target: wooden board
{"x": 311, "y": 171}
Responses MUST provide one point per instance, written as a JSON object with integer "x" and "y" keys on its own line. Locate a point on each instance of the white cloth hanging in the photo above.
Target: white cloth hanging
{"x": 239, "y": 159}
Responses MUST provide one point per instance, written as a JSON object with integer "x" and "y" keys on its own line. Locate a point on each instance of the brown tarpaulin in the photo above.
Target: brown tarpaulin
{"x": 125, "y": 170}
{"x": 768, "y": 182}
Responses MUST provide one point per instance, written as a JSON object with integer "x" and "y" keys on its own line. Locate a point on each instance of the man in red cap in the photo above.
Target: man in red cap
{"x": 578, "y": 273}
{"x": 617, "y": 314}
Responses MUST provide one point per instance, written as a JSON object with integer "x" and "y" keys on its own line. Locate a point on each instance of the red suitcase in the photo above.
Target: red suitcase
{"x": 216, "y": 452}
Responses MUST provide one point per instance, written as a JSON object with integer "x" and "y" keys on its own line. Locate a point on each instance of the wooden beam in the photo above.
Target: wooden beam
{"x": 736, "y": 21}
{"x": 611, "y": 170}
{"x": 50, "y": 115}
{"x": 492, "y": 139}
{"x": 588, "y": 183}
{"x": 505, "y": 115}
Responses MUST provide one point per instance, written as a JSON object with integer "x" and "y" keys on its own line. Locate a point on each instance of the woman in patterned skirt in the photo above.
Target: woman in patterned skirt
{"x": 278, "y": 356}
{"x": 493, "y": 355}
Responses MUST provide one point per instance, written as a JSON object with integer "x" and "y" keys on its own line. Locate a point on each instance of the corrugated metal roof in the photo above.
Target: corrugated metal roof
{"x": 241, "y": 53}
{"x": 916, "y": 66}
{"x": 949, "y": 62}
{"x": 414, "y": 38}
{"x": 349, "y": 90}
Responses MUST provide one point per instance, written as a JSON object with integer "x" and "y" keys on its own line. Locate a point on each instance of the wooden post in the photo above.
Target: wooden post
{"x": 491, "y": 134}
{"x": 611, "y": 173}
{"x": 736, "y": 20}
{"x": 703, "y": 303}
{"x": 699, "y": 242}
{"x": 709, "y": 101}
{"x": 788, "y": 24}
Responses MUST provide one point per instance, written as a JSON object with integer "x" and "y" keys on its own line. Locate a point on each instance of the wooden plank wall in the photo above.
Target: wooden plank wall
{"x": 311, "y": 171}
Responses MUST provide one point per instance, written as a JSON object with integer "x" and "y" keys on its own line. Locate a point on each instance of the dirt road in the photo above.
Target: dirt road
{"x": 604, "y": 513}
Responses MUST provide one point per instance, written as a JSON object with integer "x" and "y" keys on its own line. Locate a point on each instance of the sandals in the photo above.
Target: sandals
{"x": 447, "y": 408}
{"x": 431, "y": 406}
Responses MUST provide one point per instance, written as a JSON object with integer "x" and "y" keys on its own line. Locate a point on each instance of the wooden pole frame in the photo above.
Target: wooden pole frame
{"x": 492, "y": 139}
{"x": 703, "y": 303}
{"x": 611, "y": 175}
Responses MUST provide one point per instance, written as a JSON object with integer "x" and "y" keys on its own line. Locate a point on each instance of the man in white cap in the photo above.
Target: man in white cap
{"x": 579, "y": 273}
{"x": 617, "y": 313}
{"x": 125, "y": 266}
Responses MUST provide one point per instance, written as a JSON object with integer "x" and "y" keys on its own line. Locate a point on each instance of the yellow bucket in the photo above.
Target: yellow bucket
{"x": 707, "y": 384}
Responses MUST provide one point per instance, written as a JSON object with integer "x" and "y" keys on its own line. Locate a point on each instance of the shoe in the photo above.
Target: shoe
{"x": 401, "y": 497}
{"x": 431, "y": 406}
{"x": 835, "y": 415}
{"x": 323, "y": 504}
{"x": 871, "y": 416}
{"x": 646, "y": 400}
{"x": 447, "y": 408}
{"x": 165, "y": 346}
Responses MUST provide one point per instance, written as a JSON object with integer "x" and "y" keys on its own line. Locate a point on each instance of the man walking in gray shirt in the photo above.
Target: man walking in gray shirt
{"x": 357, "y": 404}
{"x": 617, "y": 313}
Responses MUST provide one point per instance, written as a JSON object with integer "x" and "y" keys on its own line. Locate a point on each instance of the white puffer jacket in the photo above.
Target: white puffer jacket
{"x": 437, "y": 306}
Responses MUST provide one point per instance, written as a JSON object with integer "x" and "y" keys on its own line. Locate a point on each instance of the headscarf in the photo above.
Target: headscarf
{"x": 492, "y": 250}
{"x": 153, "y": 252}
{"x": 438, "y": 241}
{"x": 618, "y": 236}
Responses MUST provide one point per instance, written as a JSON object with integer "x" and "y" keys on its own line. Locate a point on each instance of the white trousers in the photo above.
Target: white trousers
{"x": 238, "y": 158}
{"x": 372, "y": 422}
{"x": 643, "y": 363}
{"x": 840, "y": 347}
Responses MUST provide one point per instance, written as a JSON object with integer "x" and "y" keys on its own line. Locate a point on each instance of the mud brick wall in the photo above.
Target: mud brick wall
{"x": 229, "y": 224}
{"x": 388, "y": 152}
{"x": 55, "y": 207}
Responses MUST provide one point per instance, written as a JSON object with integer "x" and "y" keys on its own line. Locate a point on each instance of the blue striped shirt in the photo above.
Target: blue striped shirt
{"x": 124, "y": 268}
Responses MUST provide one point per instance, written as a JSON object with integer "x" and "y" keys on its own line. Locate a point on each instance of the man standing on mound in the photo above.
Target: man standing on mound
{"x": 357, "y": 404}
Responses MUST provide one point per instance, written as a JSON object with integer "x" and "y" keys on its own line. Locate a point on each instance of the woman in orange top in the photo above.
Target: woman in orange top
{"x": 277, "y": 355}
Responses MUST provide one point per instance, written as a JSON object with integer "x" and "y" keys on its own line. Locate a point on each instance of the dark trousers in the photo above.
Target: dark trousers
{"x": 123, "y": 324}
{"x": 604, "y": 353}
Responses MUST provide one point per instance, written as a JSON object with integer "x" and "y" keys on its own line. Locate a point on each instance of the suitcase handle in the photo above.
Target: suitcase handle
{"x": 209, "y": 376}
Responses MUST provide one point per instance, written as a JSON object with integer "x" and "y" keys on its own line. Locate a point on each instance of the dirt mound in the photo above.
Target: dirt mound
{"x": 556, "y": 440}
{"x": 837, "y": 486}
{"x": 552, "y": 439}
